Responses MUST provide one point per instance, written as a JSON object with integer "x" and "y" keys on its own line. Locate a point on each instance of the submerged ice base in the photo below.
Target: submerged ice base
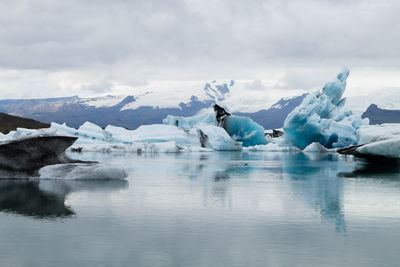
{"x": 323, "y": 118}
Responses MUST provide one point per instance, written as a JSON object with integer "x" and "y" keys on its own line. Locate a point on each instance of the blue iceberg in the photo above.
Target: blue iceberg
{"x": 240, "y": 129}
{"x": 322, "y": 117}
{"x": 244, "y": 130}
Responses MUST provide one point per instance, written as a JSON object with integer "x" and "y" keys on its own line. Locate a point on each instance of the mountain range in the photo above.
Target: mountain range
{"x": 131, "y": 111}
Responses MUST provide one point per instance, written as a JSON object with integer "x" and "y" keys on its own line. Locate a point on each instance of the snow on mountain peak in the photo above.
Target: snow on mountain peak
{"x": 170, "y": 94}
{"x": 175, "y": 94}
{"x": 103, "y": 101}
{"x": 217, "y": 91}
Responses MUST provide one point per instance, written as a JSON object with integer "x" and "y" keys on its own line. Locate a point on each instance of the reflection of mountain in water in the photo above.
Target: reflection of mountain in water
{"x": 46, "y": 198}
{"x": 316, "y": 181}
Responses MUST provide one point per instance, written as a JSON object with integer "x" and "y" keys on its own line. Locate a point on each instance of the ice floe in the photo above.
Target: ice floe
{"x": 82, "y": 171}
{"x": 379, "y": 140}
{"x": 373, "y": 133}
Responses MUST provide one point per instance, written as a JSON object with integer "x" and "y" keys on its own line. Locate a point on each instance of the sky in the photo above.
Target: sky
{"x": 57, "y": 48}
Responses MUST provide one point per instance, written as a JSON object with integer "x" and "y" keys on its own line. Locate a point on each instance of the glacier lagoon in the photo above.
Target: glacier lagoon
{"x": 207, "y": 209}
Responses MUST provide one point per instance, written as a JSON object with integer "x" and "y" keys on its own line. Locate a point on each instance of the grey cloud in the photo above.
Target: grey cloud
{"x": 213, "y": 34}
{"x": 255, "y": 85}
{"x": 306, "y": 79}
{"x": 100, "y": 87}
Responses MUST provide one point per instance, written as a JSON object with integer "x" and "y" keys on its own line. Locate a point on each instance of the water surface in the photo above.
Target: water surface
{"x": 207, "y": 209}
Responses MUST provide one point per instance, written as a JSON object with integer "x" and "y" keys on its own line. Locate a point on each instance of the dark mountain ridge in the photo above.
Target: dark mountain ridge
{"x": 10, "y": 123}
{"x": 377, "y": 115}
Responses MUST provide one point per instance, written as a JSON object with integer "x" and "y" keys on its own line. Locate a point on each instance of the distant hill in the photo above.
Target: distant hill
{"x": 274, "y": 117}
{"x": 379, "y": 116}
{"x": 132, "y": 111}
{"x": 9, "y": 123}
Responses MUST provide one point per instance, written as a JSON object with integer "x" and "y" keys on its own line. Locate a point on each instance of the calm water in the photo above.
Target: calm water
{"x": 208, "y": 209}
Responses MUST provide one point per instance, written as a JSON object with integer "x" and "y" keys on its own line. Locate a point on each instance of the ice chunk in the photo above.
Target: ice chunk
{"x": 187, "y": 123}
{"x": 322, "y": 117}
{"x": 149, "y": 138}
{"x": 178, "y": 134}
{"x": 93, "y": 131}
{"x": 119, "y": 134}
{"x": 380, "y": 140}
{"x": 157, "y": 133}
{"x": 82, "y": 171}
{"x": 244, "y": 130}
{"x": 315, "y": 147}
{"x": 372, "y": 133}
{"x": 387, "y": 148}
{"x": 240, "y": 129}
{"x": 64, "y": 128}
{"x": 217, "y": 138}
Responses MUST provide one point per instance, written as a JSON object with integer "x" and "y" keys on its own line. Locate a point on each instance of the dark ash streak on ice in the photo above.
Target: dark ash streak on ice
{"x": 25, "y": 156}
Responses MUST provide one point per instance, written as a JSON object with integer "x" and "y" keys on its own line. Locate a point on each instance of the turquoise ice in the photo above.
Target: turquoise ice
{"x": 323, "y": 118}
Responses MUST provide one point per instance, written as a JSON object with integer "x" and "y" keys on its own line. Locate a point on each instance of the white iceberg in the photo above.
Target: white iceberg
{"x": 379, "y": 140}
{"x": 315, "y": 147}
{"x": 323, "y": 118}
{"x": 376, "y": 142}
{"x": 149, "y": 138}
{"x": 187, "y": 123}
{"x": 373, "y": 133}
{"x": 387, "y": 148}
{"x": 82, "y": 171}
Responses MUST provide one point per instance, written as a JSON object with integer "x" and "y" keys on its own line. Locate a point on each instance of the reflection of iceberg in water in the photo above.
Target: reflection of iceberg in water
{"x": 26, "y": 198}
{"x": 316, "y": 181}
{"x": 376, "y": 171}
{"x": 214, "y": 171}
{"x": 46, "y": 199}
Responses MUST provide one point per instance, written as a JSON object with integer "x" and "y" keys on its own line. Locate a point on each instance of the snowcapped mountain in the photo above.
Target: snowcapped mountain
{"x": 152, "y": 106}
{"x": 377, "y": 115}
{"x": 169, "y": 96}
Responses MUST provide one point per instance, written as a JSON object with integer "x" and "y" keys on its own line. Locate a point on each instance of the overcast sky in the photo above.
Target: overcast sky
{"x": 91, "y": 47}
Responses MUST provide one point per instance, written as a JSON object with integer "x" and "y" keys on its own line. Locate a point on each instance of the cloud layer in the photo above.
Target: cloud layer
{"x": 89, "y": 44}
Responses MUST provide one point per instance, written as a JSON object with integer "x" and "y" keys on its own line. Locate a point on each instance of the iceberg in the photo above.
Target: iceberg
{"x": 217, "y": 138}
{"x": 218, "y": 130}
{"x": 187, "y": 123}
{"x": 26, "y": 155}
{"x": 389, "y": 148}
{"x": 373, "y": 133}
{"x": 315, "y": 147}
{"x": 322, "y": 117}
{"x": 240, "y": 129}
{"x": 153, "y": 138}
{"x": 376, "y": 142}
{"x": 245, "y": 130}
{"x": 82, "y": 171}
